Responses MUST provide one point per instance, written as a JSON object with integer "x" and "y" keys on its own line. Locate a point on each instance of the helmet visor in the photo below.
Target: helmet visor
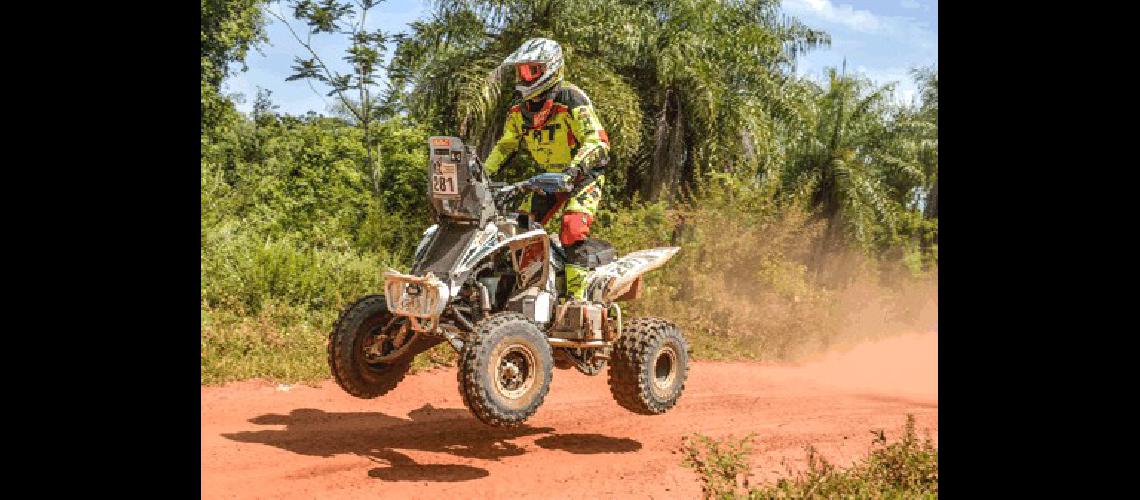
{"x": 529, "y": 72}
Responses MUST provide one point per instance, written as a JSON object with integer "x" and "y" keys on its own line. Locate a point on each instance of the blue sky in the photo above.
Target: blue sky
{"x": 883, "y": 39}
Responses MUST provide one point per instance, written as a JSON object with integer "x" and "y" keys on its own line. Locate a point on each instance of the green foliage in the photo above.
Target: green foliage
{"x": 292, "y": 231}
{"x": 242, "y": 273}
{"x": 860, "y": 161}
{"x": 305, "y": 179}
{"x": 280, "y": 343}
{"x": 722, "y": 464}
{"x": 229, "y": 29}
{"x": 653, "y": 69}
{"x": 907, "y": 468}
{"x": 657, "y": 74}
{"x": 358, "y": 96}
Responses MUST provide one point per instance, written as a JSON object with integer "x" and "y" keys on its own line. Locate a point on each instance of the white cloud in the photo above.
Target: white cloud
{"x": 905, "y": 91}
{"x": 858, "y": 20}
{"x": 882, "y": 35}
{"x": 881, "y": 48}
{"x": 905, "y": 88}
{"x": 906, "y": 29}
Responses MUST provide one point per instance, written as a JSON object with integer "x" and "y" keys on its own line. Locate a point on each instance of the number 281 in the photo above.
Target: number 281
{"x": 444, "y": 184}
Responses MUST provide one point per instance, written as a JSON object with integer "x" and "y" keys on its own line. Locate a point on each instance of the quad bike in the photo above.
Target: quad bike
{"x": 486, "y": 279}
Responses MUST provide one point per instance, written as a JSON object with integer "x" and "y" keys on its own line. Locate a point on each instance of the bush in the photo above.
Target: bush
{"x": 242, "y": 273}
{"x": 722, "y": 464}
{"x": 907, "y": 468}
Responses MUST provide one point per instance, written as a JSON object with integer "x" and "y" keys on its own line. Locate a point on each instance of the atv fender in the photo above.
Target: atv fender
{"x": 611, "y": 281}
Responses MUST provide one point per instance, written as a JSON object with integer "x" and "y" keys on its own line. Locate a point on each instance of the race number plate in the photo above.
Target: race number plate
{"x": 444, "y": 181}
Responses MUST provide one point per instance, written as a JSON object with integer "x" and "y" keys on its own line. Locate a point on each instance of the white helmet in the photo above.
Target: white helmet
{"x": 538, "y": 66}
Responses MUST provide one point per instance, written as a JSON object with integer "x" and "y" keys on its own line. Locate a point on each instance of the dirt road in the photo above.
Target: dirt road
{"x": 265, "y": 441}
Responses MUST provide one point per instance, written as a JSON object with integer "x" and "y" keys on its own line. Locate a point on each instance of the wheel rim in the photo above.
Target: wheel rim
{"x": 514, "y": 373}
{"x": 665, "y": 369}
{"x": 386, "y": 340}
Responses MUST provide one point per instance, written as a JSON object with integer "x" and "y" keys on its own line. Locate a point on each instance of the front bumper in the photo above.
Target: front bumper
{"x": 421, "y": 299}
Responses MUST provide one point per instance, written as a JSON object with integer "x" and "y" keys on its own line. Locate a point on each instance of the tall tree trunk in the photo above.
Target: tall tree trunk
{"x": 931, "y": 209}
{"x": 669, "y": 149}
{"x": 370, "y": 162}
{"x": 828, "y": 244}
{"x": 827, "y": 199}
{"x": 377, "y": 170}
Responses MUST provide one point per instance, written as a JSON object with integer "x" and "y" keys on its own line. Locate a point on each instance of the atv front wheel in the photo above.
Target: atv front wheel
{"x": 649, "y": 366}
{"x": 505, "y": 370}
{"x": 370, "y": 350}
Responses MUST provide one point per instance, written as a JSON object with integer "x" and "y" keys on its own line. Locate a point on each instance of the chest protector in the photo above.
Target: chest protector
{"x": 548, "y": 132}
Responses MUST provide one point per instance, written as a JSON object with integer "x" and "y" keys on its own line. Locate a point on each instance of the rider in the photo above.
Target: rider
{"x": 562, "y": 132}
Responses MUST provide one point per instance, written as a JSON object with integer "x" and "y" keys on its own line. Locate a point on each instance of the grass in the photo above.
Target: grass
{"x": 281, "y": 343}
{"x": 905, "y": 468}
{"x": 268, "y": 306}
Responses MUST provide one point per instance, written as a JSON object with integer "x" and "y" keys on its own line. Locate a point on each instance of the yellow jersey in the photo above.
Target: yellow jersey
{"x": 563, "y": 133}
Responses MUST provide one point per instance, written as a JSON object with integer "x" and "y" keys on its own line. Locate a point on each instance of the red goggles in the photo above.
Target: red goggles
{"x": 529, "y": 72}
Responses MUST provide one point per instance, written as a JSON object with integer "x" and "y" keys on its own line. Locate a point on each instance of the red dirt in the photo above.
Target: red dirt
{"x": 419, "y": 441}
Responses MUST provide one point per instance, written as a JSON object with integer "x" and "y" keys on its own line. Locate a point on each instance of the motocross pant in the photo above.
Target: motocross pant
{"x": 577, "y": 216}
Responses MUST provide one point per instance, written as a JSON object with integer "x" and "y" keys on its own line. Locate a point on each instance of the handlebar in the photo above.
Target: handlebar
{"x": 549, "y": 183}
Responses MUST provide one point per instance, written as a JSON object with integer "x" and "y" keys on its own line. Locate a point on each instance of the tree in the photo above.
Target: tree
{"x": 356, "y": 91}
{"x": 857, "y": 165}
{"x": 927, "y": 79}
{"x": 229, "y": 29}
{"x": 655, "y": 70}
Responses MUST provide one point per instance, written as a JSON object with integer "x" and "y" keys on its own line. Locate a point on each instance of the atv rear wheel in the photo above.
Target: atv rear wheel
{"x": 370, "y": 350}
{"x": 649, "y": 367}
{"x": 505, "y": 370}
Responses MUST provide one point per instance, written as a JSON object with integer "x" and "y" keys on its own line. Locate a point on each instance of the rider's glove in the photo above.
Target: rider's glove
{"x": 593, "y": 161}
{"x": 573, "y": 174}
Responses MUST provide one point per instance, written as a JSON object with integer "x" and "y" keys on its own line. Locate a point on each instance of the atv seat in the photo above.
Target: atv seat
{"x": 591, "y": 253}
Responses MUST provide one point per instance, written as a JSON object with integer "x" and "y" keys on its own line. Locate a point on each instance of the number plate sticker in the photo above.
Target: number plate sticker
{"x": 444, "y": 181}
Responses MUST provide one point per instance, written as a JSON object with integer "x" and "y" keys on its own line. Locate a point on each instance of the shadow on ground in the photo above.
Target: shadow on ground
{"x": 588, "y": 444}
{"x": 377, "y": 436}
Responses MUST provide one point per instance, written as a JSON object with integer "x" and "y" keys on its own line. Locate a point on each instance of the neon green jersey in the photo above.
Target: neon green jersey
{"x": 570, "y": 133}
